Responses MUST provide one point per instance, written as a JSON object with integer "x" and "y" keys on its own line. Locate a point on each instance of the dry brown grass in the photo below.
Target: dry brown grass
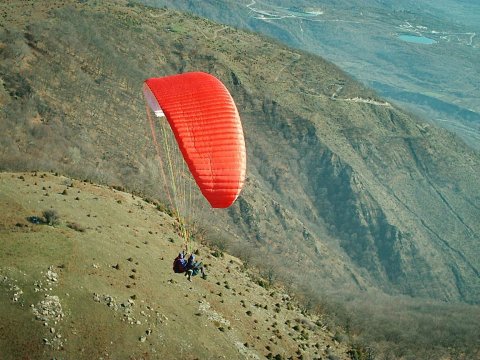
{"x": 339, "y": 195}
{"x": 126, "y": 254}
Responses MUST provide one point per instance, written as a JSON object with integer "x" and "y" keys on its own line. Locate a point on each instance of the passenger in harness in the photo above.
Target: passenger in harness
{"x": 193, "y": 268}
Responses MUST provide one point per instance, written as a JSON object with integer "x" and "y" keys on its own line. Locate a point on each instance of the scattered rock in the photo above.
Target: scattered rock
{"x": 49, "y": 309}
{"x": 212, "y": 315}
{"x": 17, "y": 292}
{"x": 51, "y": 275}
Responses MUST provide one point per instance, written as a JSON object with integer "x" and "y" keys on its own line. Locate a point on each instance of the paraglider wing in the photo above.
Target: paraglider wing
{"x": 207, "y": 128}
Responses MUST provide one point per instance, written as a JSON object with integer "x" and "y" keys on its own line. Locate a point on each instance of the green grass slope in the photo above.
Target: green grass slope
{"x": 99, "y": 284}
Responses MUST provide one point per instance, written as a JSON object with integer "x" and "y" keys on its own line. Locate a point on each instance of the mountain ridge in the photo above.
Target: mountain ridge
{"x": 363, "y": 37}
{"x": 380, "y": 185}
{"x": 347, "y": 197}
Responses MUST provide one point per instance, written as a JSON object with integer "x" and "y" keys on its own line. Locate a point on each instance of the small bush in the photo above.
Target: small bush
{"x": 51, "y": 217}
{"x": 361, "y": 352}
{"x": 262, "y": 282}
{"x": 76, "y": 227}
{"x": 217, "y": 253}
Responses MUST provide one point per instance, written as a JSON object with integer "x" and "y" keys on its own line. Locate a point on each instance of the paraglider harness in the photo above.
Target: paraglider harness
{"x": 180, "y": 264}
{"x": 193, "y": 266}
{"x": 190, "y": 267}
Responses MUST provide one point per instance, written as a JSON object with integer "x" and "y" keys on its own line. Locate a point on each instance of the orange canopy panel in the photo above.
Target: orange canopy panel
{"x": 207, "y": 128}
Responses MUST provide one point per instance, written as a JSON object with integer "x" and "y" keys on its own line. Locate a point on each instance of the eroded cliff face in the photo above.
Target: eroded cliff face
{"x": 374, "y": 180}
{"x": 344, "y": 191}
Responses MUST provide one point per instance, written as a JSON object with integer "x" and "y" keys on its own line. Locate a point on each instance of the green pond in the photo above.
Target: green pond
{"x": 417, "y": 39}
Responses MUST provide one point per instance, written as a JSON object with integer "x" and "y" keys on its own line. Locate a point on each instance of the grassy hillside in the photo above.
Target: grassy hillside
{"x": 363, "y": 193}
{"x": 99, "y": 284}
{"x": 347, "y": 196}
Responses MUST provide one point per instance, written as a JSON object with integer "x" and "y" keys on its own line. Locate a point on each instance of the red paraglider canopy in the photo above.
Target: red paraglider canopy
{"x": 207, "y": 128}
